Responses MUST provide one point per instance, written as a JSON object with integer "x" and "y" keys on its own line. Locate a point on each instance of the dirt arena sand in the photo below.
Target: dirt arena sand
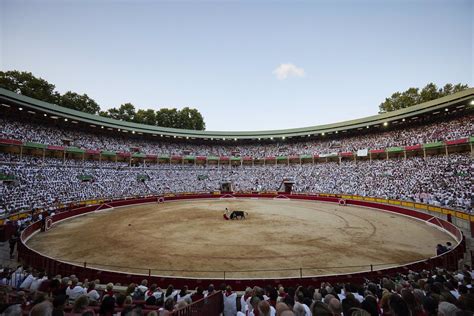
{"x": 320, "y": 238}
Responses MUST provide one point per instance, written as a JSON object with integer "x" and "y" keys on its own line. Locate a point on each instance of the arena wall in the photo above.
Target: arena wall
{"x": 54, "y": 266}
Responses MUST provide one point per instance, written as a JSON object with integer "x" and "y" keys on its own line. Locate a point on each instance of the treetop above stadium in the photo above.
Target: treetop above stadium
{"x": 457, "y": 101}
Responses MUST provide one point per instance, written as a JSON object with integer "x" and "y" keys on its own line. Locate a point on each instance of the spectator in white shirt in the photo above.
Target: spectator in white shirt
{"x": 37, "y": 281}
{"x": 74, "y": 291}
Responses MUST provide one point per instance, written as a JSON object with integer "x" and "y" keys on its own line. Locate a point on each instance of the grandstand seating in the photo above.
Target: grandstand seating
{"x": 53, "y": 165}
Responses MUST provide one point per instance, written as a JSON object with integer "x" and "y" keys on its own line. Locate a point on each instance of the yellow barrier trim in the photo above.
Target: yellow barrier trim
{"x": 434, "y": 208}
{"x": 421, "y": 206}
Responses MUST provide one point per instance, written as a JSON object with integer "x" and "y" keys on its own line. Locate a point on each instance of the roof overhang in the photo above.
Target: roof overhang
{"x": 465, "y": 98}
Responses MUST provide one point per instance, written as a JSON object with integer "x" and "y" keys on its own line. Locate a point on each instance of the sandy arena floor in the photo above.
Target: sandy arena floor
{"x": 319, "y": 237}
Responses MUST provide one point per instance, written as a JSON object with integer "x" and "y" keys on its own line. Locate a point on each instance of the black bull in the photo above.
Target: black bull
{"x": 237, "y": 214}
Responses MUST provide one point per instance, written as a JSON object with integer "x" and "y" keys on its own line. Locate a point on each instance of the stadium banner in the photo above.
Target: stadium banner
{"x": 75, "y": 150}
{"x": 394, "y": 202}
{"x": 450, "y": 212}
{"x": 91, "y": 202}
{"x": 413, "y": 147}
{"x": 7, "y": 141}
{"x": 346, "y": 154}
{"x": 169, "y": 195}
{"x": 355, "y": 197}
{"x": 108, "y": 153}
{"x": 34, "y": 145}
{"x": 334, "y": 154}
{"x": 434, "y": 209}
{"x": 124, "y": 154}
{"x": 92, "y": 152}
{"x": 216, "y": 192}
{"x": 346, "y": 196}
{"x": 433, "y": 145}
{"x": 369, "y": 199}
{"x": 377, "y": 151}
{"x": 457, "y": 141}
{"x": 409, "y": 204}
{"x": 394, "y": 149}
{"x": 381, "y": 200}
{"x": 421, "y": 206}
{"x": 462, "y": 215}
{"x": 362, "y": 152}
{"x": 272, "y": 192}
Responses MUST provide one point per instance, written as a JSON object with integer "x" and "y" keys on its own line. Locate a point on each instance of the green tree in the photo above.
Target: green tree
{"x": 413, "y": 96}
{"x": 190, "y": 119}
{"x": 429, "y": 92}
{"x": 104, "y": 113}
{"x": 146, "y": 117}
{"x": 167, "y": 118}
{"x": 26, "y": 84}
{"x": 79, "y": 102}
{"x": 126, "y": 112}
{"x": 460, "y": 87}
{"x": 447, "y": 89}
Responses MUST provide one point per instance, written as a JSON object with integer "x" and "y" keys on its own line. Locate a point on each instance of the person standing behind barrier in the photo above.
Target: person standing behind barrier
{"x": 230, "y": 302}
{"x": 13, "y": 241}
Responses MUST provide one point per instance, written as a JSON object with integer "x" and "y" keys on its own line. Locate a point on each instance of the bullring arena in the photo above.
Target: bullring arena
{"x": 189, "y": 238}
{"x": 388, "y": 200}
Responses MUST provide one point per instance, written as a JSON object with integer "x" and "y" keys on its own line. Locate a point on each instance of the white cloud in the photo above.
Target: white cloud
{"x": 288, "y": 70}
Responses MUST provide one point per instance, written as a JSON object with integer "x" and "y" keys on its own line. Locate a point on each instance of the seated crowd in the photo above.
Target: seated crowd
{"x": 448, "y": 128}
{"x": 438, "y": 180}
{"x": 25, "y": 291}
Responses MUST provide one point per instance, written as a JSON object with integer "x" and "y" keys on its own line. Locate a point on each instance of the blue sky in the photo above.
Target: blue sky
{"x": 340, "y": 58}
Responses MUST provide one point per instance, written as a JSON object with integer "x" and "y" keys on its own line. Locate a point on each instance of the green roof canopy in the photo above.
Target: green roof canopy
{"x": 433, "y": 145}
{"x": 394, "y": 149}
{"x": 108, "y": 153}
{"x": 463, "y": 97}
{"x": 75, "y": 150}
{"x": 34, "y": 145}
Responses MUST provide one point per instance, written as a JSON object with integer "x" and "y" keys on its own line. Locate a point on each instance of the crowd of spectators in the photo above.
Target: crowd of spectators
{"x": 437, "y": 180}
{"x": 62, "y": 134}
{"x": 417, "y": 293}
